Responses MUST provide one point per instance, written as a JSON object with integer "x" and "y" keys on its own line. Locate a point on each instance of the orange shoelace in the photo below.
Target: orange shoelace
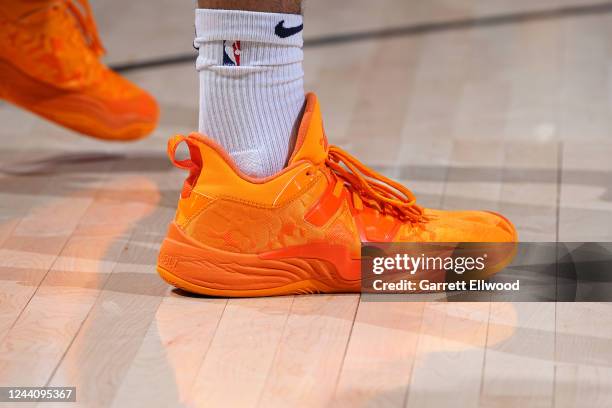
{"x": 87, "y": 23}
{"x": 372, "y": 188}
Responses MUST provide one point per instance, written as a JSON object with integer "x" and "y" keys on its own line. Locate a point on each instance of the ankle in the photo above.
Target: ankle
{"x": 251, "y": 84}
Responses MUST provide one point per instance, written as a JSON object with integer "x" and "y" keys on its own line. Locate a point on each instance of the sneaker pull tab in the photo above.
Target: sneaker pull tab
{"x": 193, "y": 164}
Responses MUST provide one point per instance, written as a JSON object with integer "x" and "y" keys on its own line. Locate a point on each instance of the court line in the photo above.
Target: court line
{"x": 403, "y": 31}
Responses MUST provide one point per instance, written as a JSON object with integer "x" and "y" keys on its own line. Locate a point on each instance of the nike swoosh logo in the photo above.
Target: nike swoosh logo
{"x": 284, "y": 32}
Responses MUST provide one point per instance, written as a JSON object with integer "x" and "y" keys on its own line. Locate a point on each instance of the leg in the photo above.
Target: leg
{"x": 299, "y": 229}
{"x": 268, "y": 6}
{"x": 251, "y": 79}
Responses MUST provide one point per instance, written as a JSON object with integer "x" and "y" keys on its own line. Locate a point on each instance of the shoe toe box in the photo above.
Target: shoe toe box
{"x": 122, "y": 109}
{"x": 111, "y": 108}
{"x": 469, "y": 226}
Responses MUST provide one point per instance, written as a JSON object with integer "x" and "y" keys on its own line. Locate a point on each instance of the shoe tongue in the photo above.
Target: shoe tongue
{"x": 311, "y": 143}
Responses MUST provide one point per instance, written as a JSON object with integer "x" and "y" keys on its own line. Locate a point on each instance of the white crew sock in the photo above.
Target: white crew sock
{"x": 251, "y": 84}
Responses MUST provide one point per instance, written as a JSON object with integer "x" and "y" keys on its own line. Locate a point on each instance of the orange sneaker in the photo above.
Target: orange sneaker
{"x": 299, "y": 231}
{"x": 50, "y": 64}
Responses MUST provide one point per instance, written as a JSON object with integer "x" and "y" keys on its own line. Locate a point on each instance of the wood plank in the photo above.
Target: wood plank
{"x": 582, "y": 348}
{"x": 55, "y": 313}
{"x": 171, "y": 353}
{"x": 450, "y": 355}
{"x": 110, "y": 336}
{"x": 529, "y": 199}
{"x": 450, "y": 349}
{"x": 240, "y": 356}
{"x": 379, "y": 359}
{"x": 310, "y": 353}
{"x": 583, "y": 337}
{"x": 32, "y": 247}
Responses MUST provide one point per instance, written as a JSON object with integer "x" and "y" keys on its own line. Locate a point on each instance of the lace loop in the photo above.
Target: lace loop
{"x": 87, "y": 23}
{"x": 373, "y": 188}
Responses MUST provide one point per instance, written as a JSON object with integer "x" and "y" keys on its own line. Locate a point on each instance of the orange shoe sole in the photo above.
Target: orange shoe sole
{"x": 302, "y": 287}
{"x": 200, "y": 269}
{"x": 72, "y": 109}
{"x": 197, "y": 268}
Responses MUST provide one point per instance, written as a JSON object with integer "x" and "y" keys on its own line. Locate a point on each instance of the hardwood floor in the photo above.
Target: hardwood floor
{"x": 510, "y": 111}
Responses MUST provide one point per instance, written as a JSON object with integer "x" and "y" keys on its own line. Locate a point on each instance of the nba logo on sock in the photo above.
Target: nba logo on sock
{"x": 231, "y": 53}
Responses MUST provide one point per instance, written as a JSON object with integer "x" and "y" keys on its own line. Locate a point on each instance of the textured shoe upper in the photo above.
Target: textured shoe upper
{"x": 54, "y": 42}
{"x": 50, "y": 52}
{"x": 318, "y": 197}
